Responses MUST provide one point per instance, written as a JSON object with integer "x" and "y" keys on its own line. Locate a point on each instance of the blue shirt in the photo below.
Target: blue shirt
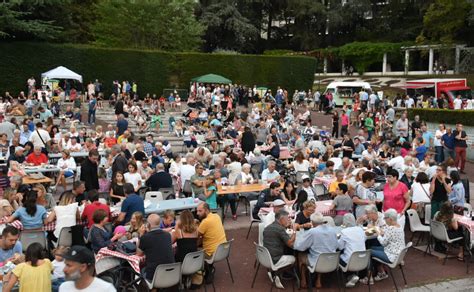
{"x": 28, "y": 221}
{"x": 215, "y": 122}
{"x": 321, "y": 239}
{"x": 6, "y": 254}
{"x": 420, "y": 152}
{"x": 427, "y": 136}
{"x": 448, "y": 141}
{"x": 92, "y": 104}
{"x": 122, "y": 126}
{"x": 133, "y": 203}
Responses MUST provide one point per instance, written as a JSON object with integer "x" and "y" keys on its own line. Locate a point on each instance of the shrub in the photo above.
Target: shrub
{"x": 448, "y": 116}
{"x": 152, "y": 70}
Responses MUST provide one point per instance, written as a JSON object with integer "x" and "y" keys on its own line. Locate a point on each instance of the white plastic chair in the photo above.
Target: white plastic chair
{"x": 359, "y": 261}
{"x": 222, "y": 253}
{"x": 264, "y": 258}
{"x": 329, "y": 221}
{"x": 29, "y": 237}
{"x": 468, "y": 207}
{"x": 154, "y": 196}
{"x": 193, "y": 262}
{"x": 252, "y": 220}
{"x": 396, "y": 263}
{"x": 165, "y": 276}
{"x": 326, "y": 263}
{"x": 166, "y": 192}
{"x": 439, "y": 232}
{"x": 415, "y": 225}
{"x": 65, "y": 237}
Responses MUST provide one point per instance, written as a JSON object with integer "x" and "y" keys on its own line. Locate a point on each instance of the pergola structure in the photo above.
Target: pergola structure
{"x": 431, "y": 49}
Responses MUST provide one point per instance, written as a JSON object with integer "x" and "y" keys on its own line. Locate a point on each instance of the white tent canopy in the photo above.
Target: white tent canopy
{"x": 61, "y": 73}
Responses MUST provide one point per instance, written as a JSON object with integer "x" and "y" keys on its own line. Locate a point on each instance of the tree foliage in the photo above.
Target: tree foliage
{"x": 148, "y": 24}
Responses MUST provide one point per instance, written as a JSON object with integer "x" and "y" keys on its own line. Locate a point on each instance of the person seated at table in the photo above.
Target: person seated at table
{"x": 363, "y": 195}
{"x": 15, "y": 169}
{"x": 446, "y": 216}
{"x": 133, "y": 177}
{"x": 185, "y": 235}
{"x": 372, "y": 217}
{"x": 75, "y": 146}
{"x": 266, "y": 198}
{"x": 223, "y": 200}
{"x": 131, "y": 204}
{"x": 339, "y": 178}
{"x": 289, "y": 192}
{"x": 211, "y": 231}
{"x": 145, "y": 170}
{"x": 155, "y": 245}
{"x": 99, "y": 237}
{"x": 352, "y": 239}
{"x": 65, "y": 214}
{"x": 329, "y": 169}
{"x": 17, "y": 155}
{"x": 168, "y": 221}
{"x": 11, "y": 195}
{"x": 37, "y": 157}
{"x": 392, "y": 240}
{"x": 301, "y": 198}
{"x": 95, "y": 204}
{"x": 31, "y": 215}
{"x": 44, "y": 198}
{"x": 67, "y": 166}
{"x": 303, "y": 220}
{"x": 277, "y": 240}
{"x": 137, "y": 222}
{"x": 198, "y": 182}
{"x": 457, "y": 195}
{"x": 34, "y": 274}
{"x": 342, "y": 203}
{"x": 320, "y": 239}
{"x": 270, "y": 174}
{"x": 307, "y": 187}
{"x": 10, "y": 246}
{"x": 116, "y": 188}
{"x": 160, "y": 179}
{"x": 5, "y": 208}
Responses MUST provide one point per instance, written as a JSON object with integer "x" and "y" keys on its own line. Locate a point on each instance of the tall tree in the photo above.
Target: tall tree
{"x": 148, "y": 24}
{"x": 228, "y": 29}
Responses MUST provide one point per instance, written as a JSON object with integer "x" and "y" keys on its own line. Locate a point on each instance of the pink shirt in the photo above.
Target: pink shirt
{"x": 394, "y": 198}
{"x": 344, "y": 120}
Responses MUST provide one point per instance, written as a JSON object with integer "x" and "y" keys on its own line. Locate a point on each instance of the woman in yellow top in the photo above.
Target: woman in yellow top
{"x": 34, "y": 274}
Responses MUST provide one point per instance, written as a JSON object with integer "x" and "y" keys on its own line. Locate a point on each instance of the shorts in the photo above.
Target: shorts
{"x": 68, "y": 173}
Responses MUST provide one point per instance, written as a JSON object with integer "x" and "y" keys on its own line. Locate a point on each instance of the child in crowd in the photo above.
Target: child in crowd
{"x": 121, "y": 233}
{"x": 104, "y": 183}
{"x": 58, "y": 267}
{"x": 136, "y": 223}
{"x": 168, "y": 221}
{"x": 210, "y": 191}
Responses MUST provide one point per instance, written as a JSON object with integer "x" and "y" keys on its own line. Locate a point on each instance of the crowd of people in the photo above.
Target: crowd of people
{"x": 248, "y": 139}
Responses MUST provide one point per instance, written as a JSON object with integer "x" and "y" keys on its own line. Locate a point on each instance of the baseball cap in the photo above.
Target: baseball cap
{"x": 304, "y": 176}
{"x": 80, "y": 254}
{"x": 278, "y": 202}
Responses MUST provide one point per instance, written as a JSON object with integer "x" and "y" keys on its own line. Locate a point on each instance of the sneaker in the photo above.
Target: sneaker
{"x": 366, "y": 281}
{"x": 380, "y": 277}
{"x": 270, "y": 276}
{"x": 278, "y": 283}
{"x": 352, "y": 282}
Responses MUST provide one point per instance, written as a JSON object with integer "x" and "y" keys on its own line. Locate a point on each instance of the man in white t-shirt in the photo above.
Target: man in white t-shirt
{"x": 457, "y": 103}
{"x": 40, "y": 137}
{"x": 79, "y": 272}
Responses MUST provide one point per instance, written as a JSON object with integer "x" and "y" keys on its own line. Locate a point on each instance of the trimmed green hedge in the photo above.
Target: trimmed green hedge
{"x": 152, "y": 70}
{"x": 448, "y": 116}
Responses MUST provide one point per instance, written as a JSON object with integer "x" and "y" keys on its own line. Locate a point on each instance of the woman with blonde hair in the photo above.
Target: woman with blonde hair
{"x": 136, "y": 223}
{"x": 45, "y": 199}
{"x": 12, "y": 197}
{"x": 66, "y": 213}
{"x": 185, "y": 235}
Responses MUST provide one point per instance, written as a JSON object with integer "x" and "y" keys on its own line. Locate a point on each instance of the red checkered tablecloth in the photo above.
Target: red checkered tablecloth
{"x": 321, "y": 180}
{"x": 468, "y": 224}
{"x": 134, "y": 260}
{"x": 324, "y": 208}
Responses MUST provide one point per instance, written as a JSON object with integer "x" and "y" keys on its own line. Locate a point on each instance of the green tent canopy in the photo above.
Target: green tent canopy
{"x": 211, "y": 78}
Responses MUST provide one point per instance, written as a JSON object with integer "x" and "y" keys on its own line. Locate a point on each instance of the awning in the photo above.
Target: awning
{"x": 61, "y": 73}
{"x": 212, "y": 78}
{"x": 416, "y": 86}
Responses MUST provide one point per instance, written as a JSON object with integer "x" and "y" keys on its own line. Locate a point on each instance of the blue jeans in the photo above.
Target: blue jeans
{"x": 378, "y": 252}
{"x": 439, "y": 157}
{"x": 91, "y": 117}
{"x": 56, "y": 283}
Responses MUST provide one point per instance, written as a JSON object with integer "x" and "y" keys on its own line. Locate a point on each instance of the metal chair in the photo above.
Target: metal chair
{"x": 326, "y": 263}
{"x": 65, "y": 237}
{"x": 359, "y": 261}
{"x": 193, "y": 262}
{"x": 252, "y": 220}
{"x": 154, "y": 196}
{"x": 264, "y": 258}
{"x": 187, "y": 188}
{"x": 427, "y": 214}
{"x": 396, "y": 263}
{"x": 222, "y": 253}
{"x": 29, "y": 237}
{"x": 439, "y": 232}
{"x": 165, "y": 276}
{"x": 415, "y": 225}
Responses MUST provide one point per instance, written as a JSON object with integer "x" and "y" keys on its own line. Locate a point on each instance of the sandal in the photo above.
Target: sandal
{"x": 461, "y": 259}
